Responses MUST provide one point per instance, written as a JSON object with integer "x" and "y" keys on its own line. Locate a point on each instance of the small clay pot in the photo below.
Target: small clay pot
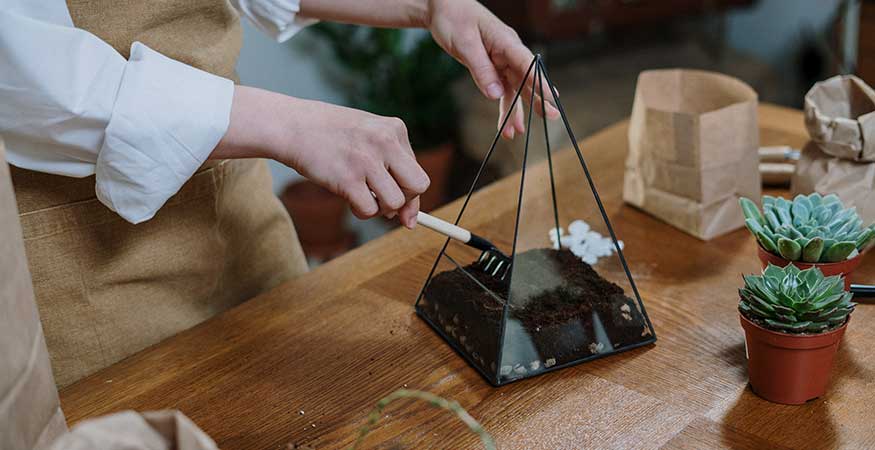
{"x": 436, "y": 163}
{"x": 789, "y": 368}
{"x": 320, "y": 219}
{"x": 845, "y": 267}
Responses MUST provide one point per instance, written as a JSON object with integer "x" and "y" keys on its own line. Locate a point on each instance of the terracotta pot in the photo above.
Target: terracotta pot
{"x": 845, "y": 267}
{"x": 789, "y": 368}
{"x": 436, "y": 163}
{"x": 320, "y": 219}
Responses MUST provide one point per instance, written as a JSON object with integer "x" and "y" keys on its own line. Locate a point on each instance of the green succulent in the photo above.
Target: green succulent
{"x": 791, "y": 300}
{"x": 811, "y": 228}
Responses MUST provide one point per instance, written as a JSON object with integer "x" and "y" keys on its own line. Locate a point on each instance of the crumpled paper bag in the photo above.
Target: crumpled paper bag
{"x": 128, "y": 430}
{"x": 840, "y": 117}
{"x": 853, "y": 182}
{"x": 693, "y": 150}
{"x": 840, "y": 158}
{"x": 30, "y": 414}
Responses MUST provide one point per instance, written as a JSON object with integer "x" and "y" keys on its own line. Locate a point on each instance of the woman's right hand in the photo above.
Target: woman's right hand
{"x": 363, "y": 157}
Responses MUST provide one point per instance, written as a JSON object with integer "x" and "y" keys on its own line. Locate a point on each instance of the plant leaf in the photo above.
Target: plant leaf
{"x": 750, "y": 209}
{"x": 837, "y": 252}
{"x": 789, "y": 249}
{"x": 801, "y": 209}
{"x": 812, "y": 250}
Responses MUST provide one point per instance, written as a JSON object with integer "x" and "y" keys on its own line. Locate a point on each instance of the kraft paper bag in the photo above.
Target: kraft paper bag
{"x": 693, "y": 150}
{"x": 128, "y": 430}
{"x": 30, "y": 414}
{"x": 852, "y": 181}
{"x": 840, "y": 158}
{"x": 840, "y": 117}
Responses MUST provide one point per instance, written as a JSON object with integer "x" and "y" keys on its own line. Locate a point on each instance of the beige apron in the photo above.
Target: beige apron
{"x": 106, "y": 288}
{"x": 30, "y": 416}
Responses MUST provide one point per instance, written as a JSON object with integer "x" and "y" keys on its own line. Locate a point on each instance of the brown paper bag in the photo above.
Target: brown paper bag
{"x": 128, "y": 430}
{"x": 840, "y": 158}
{"x": 30, "y": 414}
{"x": 840, "y": 117}
{"x": 693, "y": 141}
{"x": 853, "y": 182}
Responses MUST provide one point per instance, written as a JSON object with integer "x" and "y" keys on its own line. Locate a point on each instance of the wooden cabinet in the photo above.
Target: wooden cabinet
{"x": 866, "y": 43}
{"x": 546, "y": 20}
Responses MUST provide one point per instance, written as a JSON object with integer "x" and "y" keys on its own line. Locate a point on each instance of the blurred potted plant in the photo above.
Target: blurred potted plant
{"x": 402, "y": 74}
{"x": 793, "y": 321}
{"x": 809, "y": 231}
{"x": 320, "y": 220}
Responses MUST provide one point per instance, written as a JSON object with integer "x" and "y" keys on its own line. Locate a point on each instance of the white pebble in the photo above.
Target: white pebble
{"x": 578, "y": 227}
{"x": 584, "y": 242}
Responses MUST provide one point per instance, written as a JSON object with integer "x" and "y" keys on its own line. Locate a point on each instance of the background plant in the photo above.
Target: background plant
{"x": 811, "y": 228}
{"x": 433, "y": 400}
{"x": 398, "y": 73}
{"x": 795, "y": 301}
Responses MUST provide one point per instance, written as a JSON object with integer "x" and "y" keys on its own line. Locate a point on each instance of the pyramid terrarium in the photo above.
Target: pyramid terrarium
{"x": 566, "y": 295}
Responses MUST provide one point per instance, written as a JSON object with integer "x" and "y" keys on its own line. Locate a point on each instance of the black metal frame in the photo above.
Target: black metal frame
{"x": 539, "y": 76}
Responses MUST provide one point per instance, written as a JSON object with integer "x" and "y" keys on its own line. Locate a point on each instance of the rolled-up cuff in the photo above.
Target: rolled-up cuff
{"x": 167, "y": 119}
{"x": 278, "y": 19}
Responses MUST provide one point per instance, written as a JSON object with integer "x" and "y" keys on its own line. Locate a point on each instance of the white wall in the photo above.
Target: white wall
{"x": 772, "y": 30}
{"x": 290, "y": 68}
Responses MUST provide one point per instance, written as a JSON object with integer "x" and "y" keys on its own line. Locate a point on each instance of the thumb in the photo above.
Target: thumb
{"x": 475, "y": 58}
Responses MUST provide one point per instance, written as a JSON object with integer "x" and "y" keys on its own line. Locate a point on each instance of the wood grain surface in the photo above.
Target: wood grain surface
{"x": 302, "y": 365}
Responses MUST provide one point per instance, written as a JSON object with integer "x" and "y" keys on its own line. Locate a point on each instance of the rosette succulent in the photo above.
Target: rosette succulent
{"x": 791, "y": 300}
{"x": 811, "y": 228}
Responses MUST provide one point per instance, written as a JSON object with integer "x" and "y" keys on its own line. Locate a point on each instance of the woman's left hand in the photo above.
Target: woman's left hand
{"x": 492, "y": 52}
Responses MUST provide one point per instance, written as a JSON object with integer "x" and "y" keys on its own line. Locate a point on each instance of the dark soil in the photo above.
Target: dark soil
{"x": 561, "y": 311}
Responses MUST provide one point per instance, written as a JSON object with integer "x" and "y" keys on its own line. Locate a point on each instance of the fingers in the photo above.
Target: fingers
{"x": 407, "y": 213}
{"x": 361, "y": 201}
{"x": 540, "y": 104}
{"x": 477, "y": 60}
{"x": 408, "y": 174}
{"x": 516, "y": 124}
{"x": 509, "y": 130}
{"x": 388, "y": 193}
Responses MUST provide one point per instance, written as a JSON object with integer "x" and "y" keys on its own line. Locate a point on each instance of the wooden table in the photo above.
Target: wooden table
{"x": 333, "y": 342}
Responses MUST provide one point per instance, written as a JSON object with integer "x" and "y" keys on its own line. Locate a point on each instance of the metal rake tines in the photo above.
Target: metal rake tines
{"x": 494, "y": 263}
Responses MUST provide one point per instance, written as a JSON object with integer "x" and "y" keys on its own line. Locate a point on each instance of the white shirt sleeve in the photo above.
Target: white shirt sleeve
{"x": 277, "y": 18}
{"x": 71, "y": 105}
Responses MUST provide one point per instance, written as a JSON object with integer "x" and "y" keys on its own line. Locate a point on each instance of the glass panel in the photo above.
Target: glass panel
{"x": 568, "y": 297}
{"x": 461, "y": 300}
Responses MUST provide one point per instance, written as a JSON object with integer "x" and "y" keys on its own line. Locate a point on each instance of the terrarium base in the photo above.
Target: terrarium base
{"x": 549, "y": 323}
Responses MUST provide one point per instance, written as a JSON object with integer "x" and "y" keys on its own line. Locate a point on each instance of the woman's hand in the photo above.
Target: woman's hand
{"x": 491, "y": 51}
{"x": 364, "y": 158}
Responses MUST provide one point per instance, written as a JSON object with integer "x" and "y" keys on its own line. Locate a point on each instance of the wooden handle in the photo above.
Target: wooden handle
{"x": 443, "y": 227}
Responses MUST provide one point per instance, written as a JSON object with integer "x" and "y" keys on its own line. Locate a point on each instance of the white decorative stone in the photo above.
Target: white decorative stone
{"x": 583, "y": 242}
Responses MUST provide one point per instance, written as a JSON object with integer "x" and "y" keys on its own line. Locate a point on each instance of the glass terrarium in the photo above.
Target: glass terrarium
{"x": 568, "y": 296}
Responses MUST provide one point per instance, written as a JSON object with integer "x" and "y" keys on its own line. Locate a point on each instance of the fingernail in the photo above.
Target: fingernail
{"x": 495, "y": 91}
{"x": 411, "y": 223}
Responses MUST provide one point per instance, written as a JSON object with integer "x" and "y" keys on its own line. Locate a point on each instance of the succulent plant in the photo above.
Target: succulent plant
{"x": 791, "y": 300}
{"x": 811, "y": 228}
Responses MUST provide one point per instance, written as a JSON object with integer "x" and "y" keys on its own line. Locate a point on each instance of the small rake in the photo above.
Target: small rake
{"x": 491, "y": 261}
